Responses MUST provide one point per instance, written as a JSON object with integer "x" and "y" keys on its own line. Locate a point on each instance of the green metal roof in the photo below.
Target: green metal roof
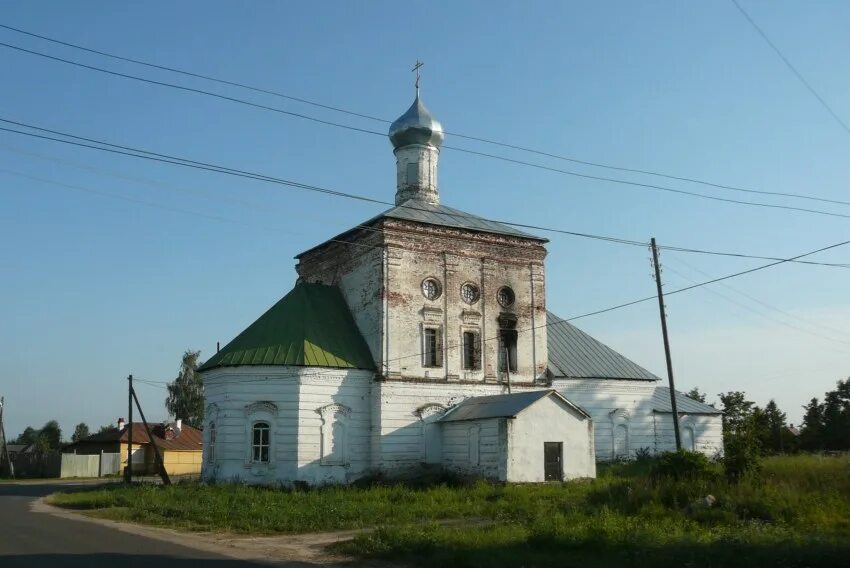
{"x": 311, "y": 327}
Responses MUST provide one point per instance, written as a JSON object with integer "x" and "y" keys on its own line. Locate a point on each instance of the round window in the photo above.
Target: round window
{"x": 506, "y": 297}
{"x": 431, "y": 288}
{"x": 469, "y": 293}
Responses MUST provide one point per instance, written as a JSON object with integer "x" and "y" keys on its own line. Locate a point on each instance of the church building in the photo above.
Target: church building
{"x": 420, "y": 338}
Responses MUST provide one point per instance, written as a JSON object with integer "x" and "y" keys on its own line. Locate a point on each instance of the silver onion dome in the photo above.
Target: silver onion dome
{"x": 416, "y": 126}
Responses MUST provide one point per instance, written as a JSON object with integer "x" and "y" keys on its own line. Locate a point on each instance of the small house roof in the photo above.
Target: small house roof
{"x": 189, "y": 438}
{"x": 684, "y": 404}
{"x": 573, "y": 354}
{"x": 501, "y": 405}
{"x": 310, "y": 327}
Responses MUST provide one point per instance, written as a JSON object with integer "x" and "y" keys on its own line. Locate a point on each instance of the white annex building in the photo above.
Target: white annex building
{"x": 421, "y": 337}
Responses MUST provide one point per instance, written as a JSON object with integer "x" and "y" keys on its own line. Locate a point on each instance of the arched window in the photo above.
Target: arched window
{"x": 211, "y": 443}
{"x": 260, "y": 442}
{"x": 432, "y": 442}
{"x": 620, "y": 442}
{"x": 688, "y": 438}
{"x": 334, "y": 434}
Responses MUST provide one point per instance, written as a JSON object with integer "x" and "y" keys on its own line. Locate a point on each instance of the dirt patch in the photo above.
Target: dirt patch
{"x": 292, "y": 550}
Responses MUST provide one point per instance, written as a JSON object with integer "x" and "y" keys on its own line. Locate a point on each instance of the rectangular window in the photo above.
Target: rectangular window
{"x": 433, "y": 348}
{"x": 260, "y": 446}
{"x": 412, "y": 173}
{"x": 507, "y": 350}
{"x": 471, "y": 351}
{"x": 211, "y": 449}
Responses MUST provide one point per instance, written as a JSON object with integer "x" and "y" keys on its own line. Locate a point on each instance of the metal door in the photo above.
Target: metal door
{"x": 552, "y": 454}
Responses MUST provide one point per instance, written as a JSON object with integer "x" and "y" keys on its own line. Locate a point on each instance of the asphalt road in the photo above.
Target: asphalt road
{"x": 34, "y": 540}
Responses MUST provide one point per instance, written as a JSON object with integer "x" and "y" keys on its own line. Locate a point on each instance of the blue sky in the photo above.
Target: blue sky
{"x": 128, "y": 263}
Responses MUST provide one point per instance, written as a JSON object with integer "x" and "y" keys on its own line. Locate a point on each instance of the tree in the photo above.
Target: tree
{"x": 696, "y": 395}
{"x": 50, "y": 436}
{"x": 737, "y": 412}
{"x": 106, "y": 428}
{"x": 811, "y": 433}
{"x": 81, "y": 431}
{"x": 774, "y": 436}
{"x": 27, "y": 437}
{"x": 740, "y": 434}
{"x": 185, "y": 398}
{"x": 836, "y": 417}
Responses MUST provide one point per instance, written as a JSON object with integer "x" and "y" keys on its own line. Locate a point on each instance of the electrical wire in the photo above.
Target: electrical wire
{"x": 385, "y": 121}
{"x": 165, "y": 158}
{"x": 645, "y": 186}
{"x": 793, "y": 69}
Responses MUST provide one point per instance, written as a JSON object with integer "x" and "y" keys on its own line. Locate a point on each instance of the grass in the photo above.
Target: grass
{"x": 796, "y": 514}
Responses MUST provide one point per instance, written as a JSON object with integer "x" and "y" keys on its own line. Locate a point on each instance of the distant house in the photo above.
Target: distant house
{"x": 18, "y": 449}
{"x": 181, "y": 446}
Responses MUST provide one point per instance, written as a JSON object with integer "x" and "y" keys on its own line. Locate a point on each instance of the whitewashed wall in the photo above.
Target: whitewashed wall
{"x": 629, "y": 402}
{"x": 289, "y": 398}
{"x": 398, "y": 429}
{"x": 476, "y": 447}
{"x": 707, "y": 432}
{"x": 549, "y": 420}
{"x": 610, "y": 402}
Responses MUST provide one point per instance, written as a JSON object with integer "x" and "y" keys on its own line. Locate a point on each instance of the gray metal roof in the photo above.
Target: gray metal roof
{"x": 684, "y": 404}
{"x": 444, "y": 216}
{"x": 501, "y": 406}
{"x": 576, "y": 355}
{"x": 439, "y": 215}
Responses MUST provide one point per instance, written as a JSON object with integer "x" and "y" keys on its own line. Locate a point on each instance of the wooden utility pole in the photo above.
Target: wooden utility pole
{"x": 666, "y": 345}
{"x": 162, "y": 473}
{"x": 5, "y": 454}
{"x": 129, "y": 475}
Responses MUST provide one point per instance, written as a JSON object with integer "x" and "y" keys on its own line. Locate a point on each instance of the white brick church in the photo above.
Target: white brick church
{"x": 421, "y": 338}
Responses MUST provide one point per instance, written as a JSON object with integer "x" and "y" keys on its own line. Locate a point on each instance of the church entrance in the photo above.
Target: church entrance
{"x": 552, "y": 454}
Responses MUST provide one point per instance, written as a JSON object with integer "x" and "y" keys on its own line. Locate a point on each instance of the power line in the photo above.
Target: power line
{"x": 185, "y": 162}
{"x": 173, "y": 209}
{"x": 790, "y": 66}
{"x": 763, "y": 314}
{"x": 645, "y": 186}
{"x": 740, "y": 255}
{"x": 456, "y": 134}
{"x": 165, "y": 158}
{"x": 765, "y": 304}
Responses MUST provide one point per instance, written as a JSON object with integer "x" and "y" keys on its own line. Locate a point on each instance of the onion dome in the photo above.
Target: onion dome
{"x": 416, "y": 126}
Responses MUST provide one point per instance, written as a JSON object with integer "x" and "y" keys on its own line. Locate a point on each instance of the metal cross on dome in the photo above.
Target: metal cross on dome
{"x": 416, "y": 68}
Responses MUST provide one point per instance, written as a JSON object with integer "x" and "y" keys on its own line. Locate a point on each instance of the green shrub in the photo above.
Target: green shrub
{"x": 682, "y": 465}
{"x": 742, "y": 457}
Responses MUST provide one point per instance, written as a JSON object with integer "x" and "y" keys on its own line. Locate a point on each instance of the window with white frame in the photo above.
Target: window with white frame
{"x": 260, "y": 442}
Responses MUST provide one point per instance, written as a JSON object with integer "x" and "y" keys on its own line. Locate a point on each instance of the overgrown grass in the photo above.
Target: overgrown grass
{"x": 796, "y": 514}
